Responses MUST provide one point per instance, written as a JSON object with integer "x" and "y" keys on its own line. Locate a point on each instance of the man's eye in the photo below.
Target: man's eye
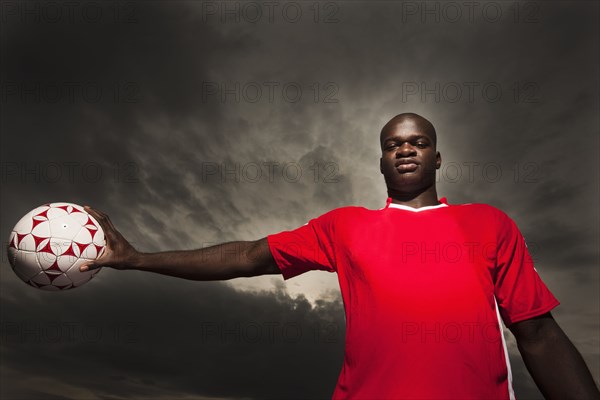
{"x": 422, "y": 145}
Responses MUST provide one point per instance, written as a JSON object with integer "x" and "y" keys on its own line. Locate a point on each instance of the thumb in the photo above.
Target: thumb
{"x": 88, "y": 266}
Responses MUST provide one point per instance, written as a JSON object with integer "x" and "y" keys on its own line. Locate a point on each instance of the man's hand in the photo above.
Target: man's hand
{"x": 119, "y": 253}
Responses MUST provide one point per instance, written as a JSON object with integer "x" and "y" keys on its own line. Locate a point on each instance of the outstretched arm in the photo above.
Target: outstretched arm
{"x": 219, "y": 262}
{"x": 553, "y": 361}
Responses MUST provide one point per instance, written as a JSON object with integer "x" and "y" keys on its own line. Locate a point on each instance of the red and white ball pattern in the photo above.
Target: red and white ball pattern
{"x": 49, "y": 244}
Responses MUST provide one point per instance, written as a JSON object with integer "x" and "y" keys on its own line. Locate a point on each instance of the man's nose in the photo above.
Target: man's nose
{"x": 405, "y": 150}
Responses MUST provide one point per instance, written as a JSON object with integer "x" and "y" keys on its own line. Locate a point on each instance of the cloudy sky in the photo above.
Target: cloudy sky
{"x": 193, "y": 123}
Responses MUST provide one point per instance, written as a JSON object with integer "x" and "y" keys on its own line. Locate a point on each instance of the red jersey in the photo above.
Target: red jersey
{"x": 424, "y": 294}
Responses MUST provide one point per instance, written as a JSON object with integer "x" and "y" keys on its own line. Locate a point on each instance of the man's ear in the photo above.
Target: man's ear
{"x": 438, "y": 160}
{"x": 381, "y": 165}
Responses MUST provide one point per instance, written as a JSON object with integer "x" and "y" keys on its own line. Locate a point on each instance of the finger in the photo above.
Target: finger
{"x": 104, "y": 217}
{"x": 104, "y": 222}
{"x": 89, "y": 266}
{"x": 101, "y": 261}
{"x": 99, "y": 215}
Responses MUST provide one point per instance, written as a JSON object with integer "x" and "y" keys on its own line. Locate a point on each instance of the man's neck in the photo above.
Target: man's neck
{"x": 427, "y": 197}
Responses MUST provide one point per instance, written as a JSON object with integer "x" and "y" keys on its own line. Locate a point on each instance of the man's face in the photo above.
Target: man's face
{"x": 409, "y": 158}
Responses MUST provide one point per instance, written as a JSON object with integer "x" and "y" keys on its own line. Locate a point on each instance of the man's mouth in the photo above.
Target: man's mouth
{"x": 406, "y": 165}
{"x": 410, "y": 167}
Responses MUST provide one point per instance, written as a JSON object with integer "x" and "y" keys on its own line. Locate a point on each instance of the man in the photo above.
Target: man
{"x": 425, "y": 285}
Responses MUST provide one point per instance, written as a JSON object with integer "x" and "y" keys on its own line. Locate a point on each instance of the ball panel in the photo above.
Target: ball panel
{"x": 65, "y": 257}
{"x": 12, "y": 254}
{"x": 60, "y": 246}
{"x": 11, "y": 239}
{"x": 30, "y": 283}
{"x": 42, "y": 229}
{"x": 66, "y": 287}
{"x": 77, "y": 207}
{"x": 42, "y": 244}
{"x": 80, "y": 217}
{"x": 25, "y": 224}
{"x": 39, "y": 210}
{"x": 65, "y": 262}
{"x": 89, "y": 252}
{"x": 26, "y": 265}
{"x": 99, "y": 238}
{"x": 96, "y": 230}
{"x": 83, "y": 236}
{"x": 64, "y": 227}
{"x": 75, "y": 250}
{"x": 26, "y": 242}
{"x": 55, "y": 212}
{"x": 12, "y": 247}
{"x": 63, "y": 204}
{"x": 42, "y": 278}
{"x": 46, "y": 260}
{"x": 61, "y": 280}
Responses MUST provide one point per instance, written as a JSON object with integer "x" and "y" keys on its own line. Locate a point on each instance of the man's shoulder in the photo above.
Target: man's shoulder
{"x": 484, "y": 211}
{"x": 479, "y": 207}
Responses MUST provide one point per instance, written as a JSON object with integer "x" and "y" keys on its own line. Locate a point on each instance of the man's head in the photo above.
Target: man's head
{"x": 408, "y": 154}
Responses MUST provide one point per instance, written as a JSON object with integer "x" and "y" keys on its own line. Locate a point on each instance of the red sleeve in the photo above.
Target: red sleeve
{"x": 519, "y": 290}
{"x": 303, "y": 249}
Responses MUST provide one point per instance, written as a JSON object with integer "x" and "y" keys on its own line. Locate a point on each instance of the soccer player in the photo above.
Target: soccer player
{"x": 425, "y": 285}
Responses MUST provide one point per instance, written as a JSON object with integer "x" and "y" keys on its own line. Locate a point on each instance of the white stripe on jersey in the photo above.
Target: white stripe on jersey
{"x": 511, "y": 391}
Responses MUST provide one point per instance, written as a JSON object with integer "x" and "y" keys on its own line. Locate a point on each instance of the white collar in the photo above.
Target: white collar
{"x": 443, "y": 203}
{"x": 408, "y": 208}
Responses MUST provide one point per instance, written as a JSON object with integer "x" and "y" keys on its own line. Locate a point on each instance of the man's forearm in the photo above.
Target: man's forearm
{"x": 219, "y": 262}
{"x": 558, "y": 368}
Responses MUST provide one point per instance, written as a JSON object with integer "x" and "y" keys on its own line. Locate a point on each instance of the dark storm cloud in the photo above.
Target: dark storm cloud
{"x": 107, "y": 133}
{"x": 208, "y": 340}
{"x": 164, "y": 146}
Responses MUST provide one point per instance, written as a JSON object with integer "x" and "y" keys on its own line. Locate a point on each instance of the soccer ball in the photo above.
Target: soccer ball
{"x": 49, "y": 244}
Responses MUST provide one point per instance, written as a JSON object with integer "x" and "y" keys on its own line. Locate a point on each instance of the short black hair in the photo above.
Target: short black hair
{"x": 423, "y": 123}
